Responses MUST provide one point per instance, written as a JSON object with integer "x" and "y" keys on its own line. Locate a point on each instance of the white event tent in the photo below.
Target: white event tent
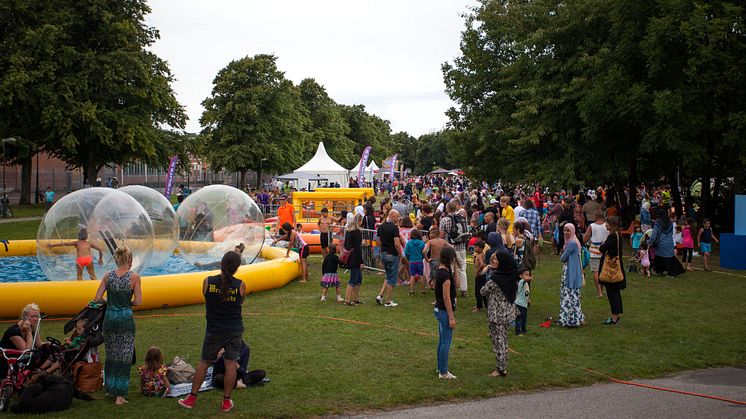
{"x": 321, "y": 166}
{"x": 367, "y": 173}
{"x": 370, "y": 171}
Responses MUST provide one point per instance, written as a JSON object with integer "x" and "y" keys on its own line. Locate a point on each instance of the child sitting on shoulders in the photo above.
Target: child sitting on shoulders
{"x": 329, "y": 276}
{"x": 153, "y": 379}
{"x": 644, "y": 257}
{"x": 523, "y": 300}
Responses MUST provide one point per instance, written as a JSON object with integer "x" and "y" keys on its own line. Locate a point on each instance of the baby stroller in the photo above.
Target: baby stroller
{"x": 82, "y": 364}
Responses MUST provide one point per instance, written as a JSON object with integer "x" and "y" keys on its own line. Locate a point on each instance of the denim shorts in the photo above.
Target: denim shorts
{"x": 213, "y": 343}
{"x": 705, "y": 247}
{"x": 391, "y": 264}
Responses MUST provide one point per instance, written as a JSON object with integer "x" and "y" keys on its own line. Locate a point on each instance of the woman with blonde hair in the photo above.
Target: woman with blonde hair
{"x": 21, "y": 335}
{"x": 123, "y": 291}
{"x": 504, "y": 227}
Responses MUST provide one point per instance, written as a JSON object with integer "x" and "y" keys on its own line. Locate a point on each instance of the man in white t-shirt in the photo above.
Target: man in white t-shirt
{"x": 518, "y": 208}
{"x": 596, "y": 236}
{"x": 359, "y": 208}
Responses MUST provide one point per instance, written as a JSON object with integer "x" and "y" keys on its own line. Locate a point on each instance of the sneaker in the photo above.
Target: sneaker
{"x": 323, "y": 298}
{"x": 610, "y": 322}
{"x": 227, "y": 405}
{"x": 447, "y": 376}
{"x": 188, "y": 402}
{"x": 350, "y": 303}
{"x": 359, "y": 302}
{"x": 390, "y": 304}
{"x": 340, "y": 299}
{"x": 379, "y": 300}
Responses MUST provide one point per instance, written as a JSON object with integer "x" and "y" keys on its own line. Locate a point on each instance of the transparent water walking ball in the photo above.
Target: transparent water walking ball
{"x": 162, "y": 216}
{"x": 216, "y": 219}
{"x": 107, "y": 219}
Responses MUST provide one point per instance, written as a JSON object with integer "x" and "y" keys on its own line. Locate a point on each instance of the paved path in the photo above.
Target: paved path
{"x": 12, "y": 220}
{"x": 608, "y": 400}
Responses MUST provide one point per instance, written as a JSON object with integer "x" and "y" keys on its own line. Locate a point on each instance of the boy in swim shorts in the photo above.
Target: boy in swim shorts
{"x": 705, "y": 238}
{"x": 325, "y": 228}
{"x": 84, "y": 257}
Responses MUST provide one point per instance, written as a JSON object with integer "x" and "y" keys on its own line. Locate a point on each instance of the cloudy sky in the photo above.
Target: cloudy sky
{"x": 384, "y": 54}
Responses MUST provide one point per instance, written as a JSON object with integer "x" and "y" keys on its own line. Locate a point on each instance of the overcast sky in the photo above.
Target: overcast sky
{"x": 384, "y": 54}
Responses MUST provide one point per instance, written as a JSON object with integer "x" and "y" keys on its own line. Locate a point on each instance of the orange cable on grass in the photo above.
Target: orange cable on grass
{"x": 652, "y": 387}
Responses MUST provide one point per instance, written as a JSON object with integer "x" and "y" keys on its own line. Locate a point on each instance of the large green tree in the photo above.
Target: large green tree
{"x": 326, "y": 124}
{"x": 27, "y": 42}
{"x": 80, "y": 82}
{"x": 254, "y": 119}
{"x": 594, "y": 90}
{"x": 368, "y": 130}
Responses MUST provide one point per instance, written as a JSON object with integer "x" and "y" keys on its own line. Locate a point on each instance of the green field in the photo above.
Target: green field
{"x": 326, "y": 358}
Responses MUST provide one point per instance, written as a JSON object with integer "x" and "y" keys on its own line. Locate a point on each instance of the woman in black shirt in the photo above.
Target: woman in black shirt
{"x": 445, "y": 305}
{"x": 612, "y": 247}
{"x": 354, "y": 243}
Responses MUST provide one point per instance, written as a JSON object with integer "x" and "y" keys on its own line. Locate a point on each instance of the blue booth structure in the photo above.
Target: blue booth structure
{"x": 733, "y": 245}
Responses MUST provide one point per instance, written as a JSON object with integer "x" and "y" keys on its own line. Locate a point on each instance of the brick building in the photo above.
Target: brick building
{"x": 55, "y": 173}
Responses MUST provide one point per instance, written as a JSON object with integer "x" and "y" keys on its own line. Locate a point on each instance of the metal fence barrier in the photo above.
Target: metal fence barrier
{"x": 371, "y": 249}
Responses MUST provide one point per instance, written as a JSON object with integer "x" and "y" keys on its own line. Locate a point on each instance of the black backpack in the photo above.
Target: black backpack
{"x": 459, "y": 232}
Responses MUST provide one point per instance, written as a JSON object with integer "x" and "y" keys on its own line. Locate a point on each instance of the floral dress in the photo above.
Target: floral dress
{"x": 153, "y": 383}
{"x": 571, "y": 313}
{"x": 500, "y": 313}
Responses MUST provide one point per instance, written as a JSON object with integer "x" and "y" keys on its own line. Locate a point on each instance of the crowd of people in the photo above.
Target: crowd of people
{"x": 424, "y": 228}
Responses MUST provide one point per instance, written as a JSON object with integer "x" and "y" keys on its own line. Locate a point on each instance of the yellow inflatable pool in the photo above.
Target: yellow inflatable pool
{"x": 68, "y": 297}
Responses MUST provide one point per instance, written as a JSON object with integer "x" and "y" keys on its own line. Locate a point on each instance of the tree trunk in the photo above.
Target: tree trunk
{"x": 90, "y": 173}
{"x": 706, "y": 175}
{"x": 632, "y": 182}
{"x": 243, "y": 180}
{"x": 26, "y": 163}
{"x": 676, "y": 194}
{"x": 259, "y": 178}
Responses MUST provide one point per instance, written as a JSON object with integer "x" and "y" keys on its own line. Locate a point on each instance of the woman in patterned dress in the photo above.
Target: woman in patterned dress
{"x": 123, "y": 291}
{"x": 571, "y": 314}
{"x": 500, "y": 290}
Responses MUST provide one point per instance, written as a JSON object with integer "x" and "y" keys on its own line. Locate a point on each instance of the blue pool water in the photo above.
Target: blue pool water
{"x": 27, "y": 268}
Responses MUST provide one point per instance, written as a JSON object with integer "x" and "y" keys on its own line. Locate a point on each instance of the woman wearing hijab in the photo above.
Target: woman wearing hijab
{"x": 571, "y": 314}
{"x": 665, "y": 262}
{"x": 500, "y": 291}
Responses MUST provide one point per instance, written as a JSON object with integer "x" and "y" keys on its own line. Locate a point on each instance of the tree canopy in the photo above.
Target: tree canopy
{"x": 254, "y": 118}
{"x": 79, "y": 81}
{"x": 595, "y": 90}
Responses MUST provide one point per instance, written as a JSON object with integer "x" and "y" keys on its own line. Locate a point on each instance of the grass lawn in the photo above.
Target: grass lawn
{"x": 325, "y": 358}
{"x": 33, "y": 210}
{"x": 19, "y": 230}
